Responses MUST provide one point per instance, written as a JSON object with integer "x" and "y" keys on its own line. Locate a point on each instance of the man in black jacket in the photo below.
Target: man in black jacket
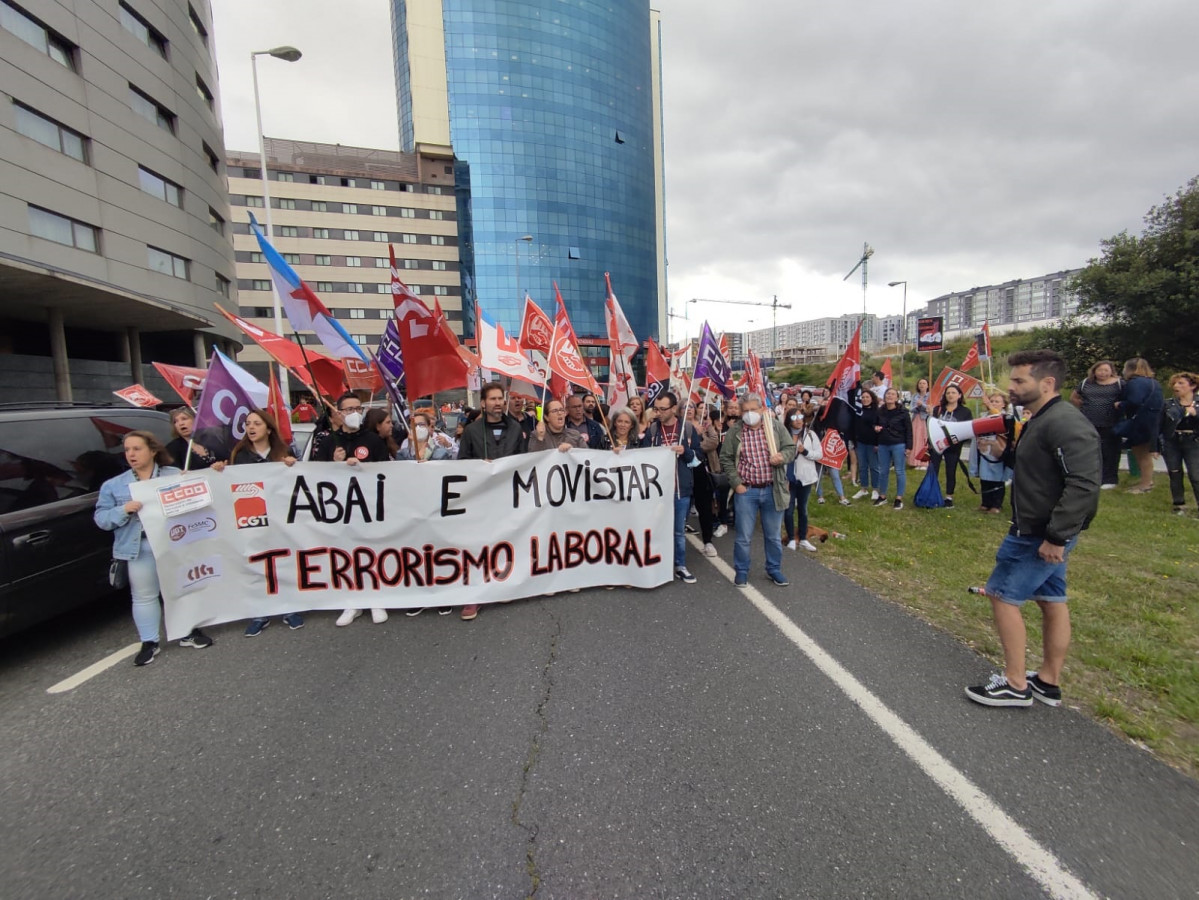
{"x": 1055, "y": 494}
{"x": 494, "y": 434}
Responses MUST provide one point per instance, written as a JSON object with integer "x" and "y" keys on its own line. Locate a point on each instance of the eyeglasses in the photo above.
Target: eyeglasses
{"x": 663, "y": 408}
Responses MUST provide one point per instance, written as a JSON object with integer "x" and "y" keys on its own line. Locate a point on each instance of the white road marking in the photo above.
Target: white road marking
{"x": 93, "y": 670}
{"x": 1042, "y": 865}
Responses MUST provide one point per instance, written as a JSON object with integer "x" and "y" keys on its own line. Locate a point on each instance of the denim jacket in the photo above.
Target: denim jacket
{"x": 111, "y": 516}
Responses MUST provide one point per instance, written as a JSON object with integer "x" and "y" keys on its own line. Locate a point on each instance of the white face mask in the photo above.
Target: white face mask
{"x": 751, "y": 418}
{"x": 353, "y": 420}
{"x": 422, "y": 432}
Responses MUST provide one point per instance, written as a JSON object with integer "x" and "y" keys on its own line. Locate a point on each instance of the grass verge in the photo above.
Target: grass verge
{"x": 1133, "y": 587}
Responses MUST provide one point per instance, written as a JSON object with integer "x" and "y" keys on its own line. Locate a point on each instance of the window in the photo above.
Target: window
{"x": 357, "y": 313}
{"x": 433, "y": 189}
{"x": 255, "y": 202}
{"x": 409, "y": 238}
{"x": 157, "y": 186}
{"x": 349, "y": 235}
{"x": 573, "y": 253}
{"x": 222, "y": 285}
{"x": 411, "y": 264}
{"x": 143, "y": 30}
{"x": 285, "y": 203}
{"x": 316, "y": 179}
{"x": 350, "y": 209}
{"x": 406, "y": 213}
{"x": 322, "y": 261}
{"x": 215, "y": 222}
{"x": 256, "y": 257}
{"x": 285, "y": 176}
{"x": 289, "y": 231}
{"x": 214, "y": 161}
{"x": 47, "y": 131}
{"x": 384, "y": 289}
{"x": 378, "y": 186}
{"x": 438, "y": 266}
{"x": 204, "y": 93}
{"x": 197, "y": 25}
{"x": 259, "y": 312}
{"x": 437, "y": 240}
{"x": 354, "y": 262}
{"x": 436, "y": 214}
{"x": 353, "y": 288}
{"x": 381, "y": 263}
{"x": 255, "y": 174}
{"x": 320, "y": 206}
{"x": 151, "y": 110}
{"x": 324, "y": 287}
{"x": 321, "y": 234}
{"x": 293, "y": 258}
{"x": 61, "y": 230}
{"x": 440, "y": 291}
{"x": 359, "y": 338}
{"x": 168, "y": 263}
{"x": 381, "y": 237}
{"x": 37, "y": 35}
{"x": 378, "y": 210}
{"x": 407, "y": 187}
{"x": 415, "y": 288}
{"x": 260, "y": 284}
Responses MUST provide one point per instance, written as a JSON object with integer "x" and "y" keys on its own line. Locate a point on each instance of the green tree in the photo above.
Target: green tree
{"x": 1146, "y": 288}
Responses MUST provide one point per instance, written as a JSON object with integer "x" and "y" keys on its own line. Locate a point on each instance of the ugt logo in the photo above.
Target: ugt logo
{"x": 249, "y": 505}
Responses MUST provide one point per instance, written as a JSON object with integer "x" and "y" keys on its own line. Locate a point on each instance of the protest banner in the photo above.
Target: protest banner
{"x": 267, "y": 539}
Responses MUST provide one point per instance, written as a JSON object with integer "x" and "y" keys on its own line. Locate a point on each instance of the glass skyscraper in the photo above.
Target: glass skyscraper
{"x": 551, "y": 111}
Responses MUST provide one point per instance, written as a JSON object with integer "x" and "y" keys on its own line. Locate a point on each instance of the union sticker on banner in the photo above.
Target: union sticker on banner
{"x": 184, "y": 496}
{"x": 195, "y": 527}
{"x": 249, "y": 505}
{"x": 199, "y": 573}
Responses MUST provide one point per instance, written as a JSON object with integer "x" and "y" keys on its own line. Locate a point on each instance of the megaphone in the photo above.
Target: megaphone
{"x": 944, "y": 433}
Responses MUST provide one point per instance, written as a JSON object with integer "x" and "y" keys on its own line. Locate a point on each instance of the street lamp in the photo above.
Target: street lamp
{"x": 527, "y": 238}
{"x": 903, "y": 329}
{"x": 287, "y": 54}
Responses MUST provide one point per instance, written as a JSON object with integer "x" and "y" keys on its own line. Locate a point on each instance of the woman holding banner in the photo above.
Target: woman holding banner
{"x": 183, "y": 422}
{"x": 952, "y": 409}
{"x": 116, "y": 511}
{"x": 424, "y": 443}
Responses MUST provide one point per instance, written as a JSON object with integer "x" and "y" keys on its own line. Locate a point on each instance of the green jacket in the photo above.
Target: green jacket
{"x": 730, "y": 453}
{"x": 1055, "y": 485}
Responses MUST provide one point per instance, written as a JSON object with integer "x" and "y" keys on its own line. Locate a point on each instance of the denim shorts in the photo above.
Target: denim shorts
{"x": 1021, "y": 575}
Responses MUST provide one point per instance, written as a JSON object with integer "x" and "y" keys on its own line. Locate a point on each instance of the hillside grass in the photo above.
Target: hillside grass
{"x": 1133, "y": 587}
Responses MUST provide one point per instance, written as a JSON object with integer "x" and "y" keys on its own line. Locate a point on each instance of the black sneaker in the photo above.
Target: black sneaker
{"x": 690, "y": 529}
{"x": 997, "y": 692}
{"x": 683, "y": 575}
{"x": 146, "y": 655}
{"x": 780, "y": 580}
{"x": 197, "y": 639}
{"x": 293, "y": 621}
{"x": 1049, "y": 694}
{"x": 949, "y": 503}
{"x": 881, "y": 501}
{"x": 898, "y": 504}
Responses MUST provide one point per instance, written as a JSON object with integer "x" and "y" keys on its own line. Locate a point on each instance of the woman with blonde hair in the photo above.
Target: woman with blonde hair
{"x": 1141, "y": 406}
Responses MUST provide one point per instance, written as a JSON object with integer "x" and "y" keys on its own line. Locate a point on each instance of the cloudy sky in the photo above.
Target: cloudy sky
{"x": 968, "y": 143}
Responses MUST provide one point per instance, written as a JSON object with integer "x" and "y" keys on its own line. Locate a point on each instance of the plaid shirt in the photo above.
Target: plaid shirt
{"x": 753, "y": 464}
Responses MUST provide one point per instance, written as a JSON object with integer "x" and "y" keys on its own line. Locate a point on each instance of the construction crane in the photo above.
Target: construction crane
{"x": 774, "y": 305}
{"x": 867, "y": 252}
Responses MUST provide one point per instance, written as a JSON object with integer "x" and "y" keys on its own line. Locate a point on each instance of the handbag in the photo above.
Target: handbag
{"x": 118, "y": 574}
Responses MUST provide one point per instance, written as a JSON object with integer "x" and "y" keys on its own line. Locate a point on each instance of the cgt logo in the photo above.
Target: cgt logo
{"x": 199, "y": 573}
{"x": 249, "y": 505}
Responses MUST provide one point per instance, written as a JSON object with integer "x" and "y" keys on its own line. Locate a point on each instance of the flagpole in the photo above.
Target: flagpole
{"x": 308, "y": 365}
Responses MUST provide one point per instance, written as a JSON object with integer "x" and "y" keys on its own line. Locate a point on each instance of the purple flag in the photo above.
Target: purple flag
{"x": 230, "y": 392}
{"x": 711, "y": 364}
{"x": 391, "y": 364}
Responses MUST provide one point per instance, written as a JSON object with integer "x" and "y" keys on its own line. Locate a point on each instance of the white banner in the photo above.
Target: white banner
{"x": 265, "y": 539}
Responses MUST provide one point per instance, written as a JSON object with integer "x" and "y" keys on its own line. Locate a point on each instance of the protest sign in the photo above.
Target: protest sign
{"x": 400, "y": 535}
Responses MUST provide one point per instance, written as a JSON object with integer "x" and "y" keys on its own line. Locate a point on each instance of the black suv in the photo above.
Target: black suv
{"x": 53, "y": 459}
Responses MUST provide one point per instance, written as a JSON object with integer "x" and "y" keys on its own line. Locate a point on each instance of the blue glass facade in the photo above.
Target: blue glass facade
{"x": 550, "y": 109}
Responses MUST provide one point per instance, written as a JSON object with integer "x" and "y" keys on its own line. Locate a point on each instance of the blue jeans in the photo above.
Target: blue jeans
{"x": 748, "y": 506}
{"x": 867, "y": 466}
{"x": 835, "y": 477}
{"x": 798, "y": 505}
{"x": 144, "y": 587}
{"x": 682, "y": 506}
{"x": 892, "y": 455}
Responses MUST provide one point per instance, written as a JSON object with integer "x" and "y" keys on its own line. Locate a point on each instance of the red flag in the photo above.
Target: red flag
{"x": 564, "y": 357}
{"x": 971, "y": 388}
{"x": 847, "y": 373}
{"x": 186, "y": 381}
{"x": 471, "y": 360}
{"x": 277, "y": 407}
{"x": 362, "y": 376}
{"x": 431, "y": 359}
{"x": 536, "y": 331}
{"x": 753, "y": 371}
{"x": 886, "y": 370}
{"x": 138, "y": 396}
{"x": 623, "y": 346}
{"x": 330, "y": 380}
{"x": 657, "y": 372}
{"x": 984, "y": 341}
{"x": 971, "y": 359}
{"x": 559, "y": 387}
{"x": 833, "y": 449}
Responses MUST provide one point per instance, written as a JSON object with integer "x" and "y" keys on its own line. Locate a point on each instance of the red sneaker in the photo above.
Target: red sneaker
{"x": 469, "y": 612}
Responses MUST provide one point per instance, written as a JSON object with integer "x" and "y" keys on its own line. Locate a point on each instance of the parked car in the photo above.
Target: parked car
{"x": 53, "y": 459}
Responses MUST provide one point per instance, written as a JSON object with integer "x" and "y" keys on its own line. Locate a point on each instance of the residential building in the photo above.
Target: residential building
{"x": 553, "y": 111}
{"x": 1015, "y": 305}
{"x": 813, "y": 340}
{"x": 114, "y": 236}
{"x": 334, "y": 212}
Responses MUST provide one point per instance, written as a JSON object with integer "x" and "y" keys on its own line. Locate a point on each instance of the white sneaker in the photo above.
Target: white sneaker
{"x": 819, "y": 499}
{"x": 720, "y": 531}
{"x": 843, "y": 502}
{"x": 1107, "y": 487}
{"x": 860, "y": 494}
{"x": 808, "y": 545}
{"x": 791, "y": 545}
{"x": 347, "y": 617}
{"x": 378, "y": 616}
{"x": 874, "y": 495}
{"x": 709, "y": 550}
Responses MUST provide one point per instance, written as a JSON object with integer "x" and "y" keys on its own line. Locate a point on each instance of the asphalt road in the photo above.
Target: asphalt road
{"x": 608, "y": 744}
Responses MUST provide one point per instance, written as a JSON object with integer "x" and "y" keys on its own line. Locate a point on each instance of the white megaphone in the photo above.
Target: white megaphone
{"x": 944, "y": 433}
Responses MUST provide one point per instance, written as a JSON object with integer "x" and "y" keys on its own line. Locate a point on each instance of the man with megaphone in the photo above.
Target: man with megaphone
{"x": 1055, "y": 494}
